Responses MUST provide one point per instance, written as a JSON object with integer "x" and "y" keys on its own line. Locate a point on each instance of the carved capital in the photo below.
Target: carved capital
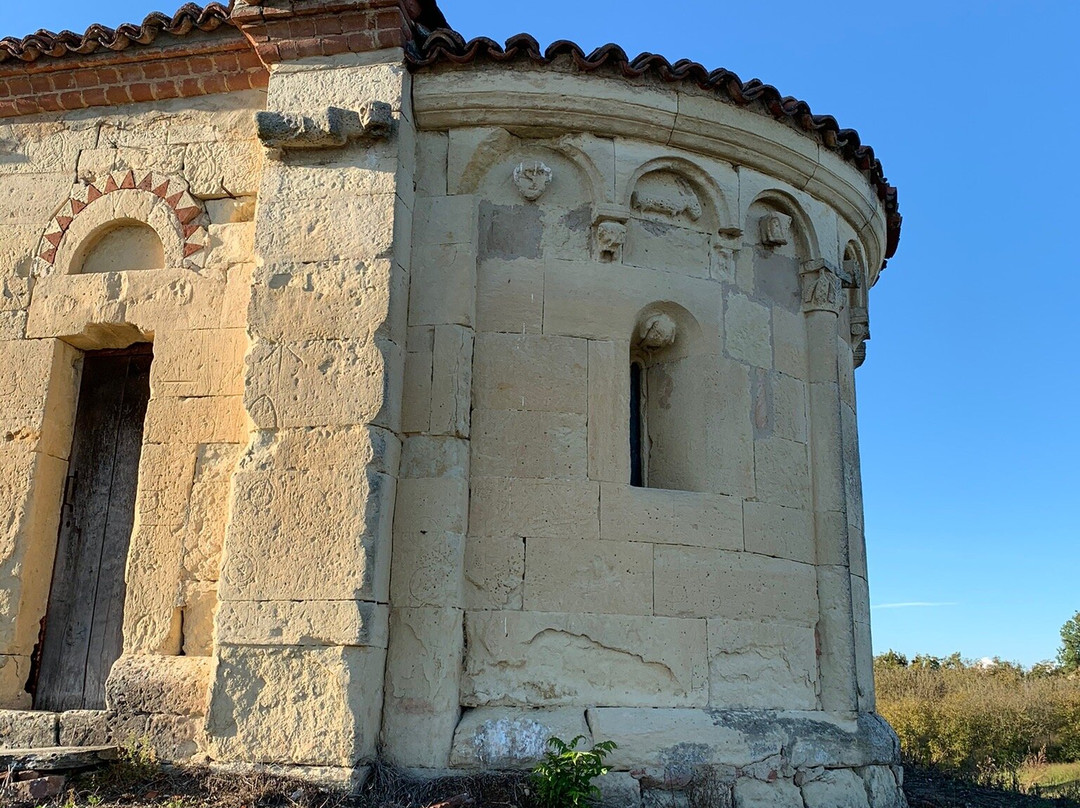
{"x": 609, "y": 233}
{"x": 820, "y": 287}
{"x": 331, "y": 129}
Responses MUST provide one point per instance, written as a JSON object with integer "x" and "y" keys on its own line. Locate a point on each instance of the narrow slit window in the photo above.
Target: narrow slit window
{"x": 637, "y": 425}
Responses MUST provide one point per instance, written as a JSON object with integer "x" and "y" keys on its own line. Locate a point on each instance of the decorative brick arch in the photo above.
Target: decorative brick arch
{"x": 163, "y": 203}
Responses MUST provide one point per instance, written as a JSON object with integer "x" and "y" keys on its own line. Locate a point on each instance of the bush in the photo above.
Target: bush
{"x": 563, "y": 779}
{"x": 982, "y": 722}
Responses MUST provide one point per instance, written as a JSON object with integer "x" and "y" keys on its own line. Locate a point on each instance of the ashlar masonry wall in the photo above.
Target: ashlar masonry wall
{"x": 188, "y": 172}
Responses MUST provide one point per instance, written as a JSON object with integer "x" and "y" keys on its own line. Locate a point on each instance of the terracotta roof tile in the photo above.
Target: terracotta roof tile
{"x": 448, "y": 46}
{"x": 97, "y": 37}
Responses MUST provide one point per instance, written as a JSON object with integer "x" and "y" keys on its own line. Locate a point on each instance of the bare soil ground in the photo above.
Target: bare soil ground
{"x": 930, "y": 789}
{"x": 204, "y": 788}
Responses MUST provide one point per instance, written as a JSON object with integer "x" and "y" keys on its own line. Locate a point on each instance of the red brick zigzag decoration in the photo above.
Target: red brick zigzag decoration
{"x": 188, "y": 210}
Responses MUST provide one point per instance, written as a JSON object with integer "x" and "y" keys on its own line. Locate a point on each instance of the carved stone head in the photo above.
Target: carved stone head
{"x": 609, "y": 240}
{"x": 532, "y": 178}
{"x": 774, "y": 230}
{"x": 657, "y": 331}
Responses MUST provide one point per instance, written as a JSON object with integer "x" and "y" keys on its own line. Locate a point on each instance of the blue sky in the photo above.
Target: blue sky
{"x": 969, "y": 401}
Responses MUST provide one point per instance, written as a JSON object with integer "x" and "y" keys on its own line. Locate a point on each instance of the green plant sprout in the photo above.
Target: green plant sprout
{"x": 563, "y": 779}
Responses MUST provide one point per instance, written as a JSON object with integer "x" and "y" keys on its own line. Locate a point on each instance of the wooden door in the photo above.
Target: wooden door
{"x": 83, "y": 626}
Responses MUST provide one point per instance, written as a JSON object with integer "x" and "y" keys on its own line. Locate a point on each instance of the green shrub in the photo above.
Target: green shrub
{"x": 980, "y": 722}
{"x": 563, "y": 779}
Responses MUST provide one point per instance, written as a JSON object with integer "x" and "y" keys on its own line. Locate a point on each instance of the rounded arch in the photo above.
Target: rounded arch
{"x": 117, "y": 246}
{"x": 162, "y": 204}
{"x": 716, "y": 213}
{"x": 495, "y": 153}
{"x": 806, "y": 240}
{"x": 659, "y": 318}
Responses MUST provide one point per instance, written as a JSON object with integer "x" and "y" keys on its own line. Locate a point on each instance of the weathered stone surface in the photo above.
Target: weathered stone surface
{"x": 509, "y": 737}
{"x": 523, "y": 507}
{"x": 616, "y": 578}
{"x": 774, "y": 530}
{"x": 538, "y": 659}
{"x": 494, "y": 572}
{"x": 670, "y": 517}
{"x": 37, "y": 788}
{"x": 768, "y": 664}
{"x": 423, "y": 672}
{"x": 618, "y": 790}
{"x": 836, "y": 788}
{"x": 535, "y": 373}
{"x": 515, "y": 443}
{"x": 303, "y": 623}
{"x": 27, "y": 728}
{"x": 177, "y": 685}
{"x": 750, "y": 793}
{"x": 699, "y": 582}
{"x": 57, "y": 758}
{"x": 315, "y": 706}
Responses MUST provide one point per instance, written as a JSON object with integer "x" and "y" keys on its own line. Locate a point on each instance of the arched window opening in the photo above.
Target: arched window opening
{"x": 120, "y": 246}
{"x": 651, "y": 441}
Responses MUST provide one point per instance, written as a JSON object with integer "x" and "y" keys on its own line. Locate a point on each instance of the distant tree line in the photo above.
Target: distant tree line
{"x": 983, "y": 719}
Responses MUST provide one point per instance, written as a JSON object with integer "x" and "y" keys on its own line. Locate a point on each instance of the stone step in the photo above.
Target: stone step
{"x": 57, "y": 758}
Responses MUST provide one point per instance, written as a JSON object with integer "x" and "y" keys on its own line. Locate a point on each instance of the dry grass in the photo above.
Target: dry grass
{"x": 137, "y": 781}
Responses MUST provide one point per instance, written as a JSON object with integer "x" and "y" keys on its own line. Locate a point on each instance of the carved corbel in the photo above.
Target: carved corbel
{"x": 820, "y": 287}
{"x": 860, "y": 332}
{"x": 609, "y": 233}
{"x": 331, "y": 129}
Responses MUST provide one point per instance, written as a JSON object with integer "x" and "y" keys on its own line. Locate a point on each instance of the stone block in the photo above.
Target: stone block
{"x": 670, "y": 517}
{"x": 39, "y": 382}
{"x": 750, "y": 793}
{"x": 359, "y": 228}
{"x": 701, "y": 582}
{"x": 303, "y": 706}
{"x": 591, "y": 577}
{"x": 618, "y": 790}
{"x": 443, "y": 278}
{"x": 774, "y": 530}
{"x": 512, "y": 737}
{"x": 434, "y": 456}
{"x": 321, "y": 383}
{"x": 782, "y": 472}
{"x": 666, "y": 246}
{"x": 195, "y": 419}
{"x": 882, "y": 788}
{"x": 324, "y": 300}
{"x": 679, "y": 739}
{"x": 321, "y": 533}
{"x": 789, "y": 342}
{"x": 543, "y": 659}
{"x": 494, "y": 572}
{"x": 12, "y": 325}
{"x": 423, "y": 671}
{"x": 429, "y": 542}
{"x": 515, "y": 443}
{"x": 416, "y": 389}
{"x": 451, "y": 380}
{"x": 762, "y": 664}
{"x": 166, "y": 476}
{"x": 145, "y": 683}
{"x": 35, "y": 790}
{"x": 609, "y": 403}
{"x": 199, "y": 363}
{"x": 531, "y": 372}
{"x": 836, "y": 788}
{"x": 510, "y": 296}
{"x": 747, "y": 331}
{"x": 303, "y": 623}
{"x": 602, "y": 301}
{"x": 27, "y": 729}
{"x": 535, "y": 508}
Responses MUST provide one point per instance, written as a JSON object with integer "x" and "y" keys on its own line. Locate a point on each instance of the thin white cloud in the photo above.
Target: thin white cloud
{"x": 915, "y": 604}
